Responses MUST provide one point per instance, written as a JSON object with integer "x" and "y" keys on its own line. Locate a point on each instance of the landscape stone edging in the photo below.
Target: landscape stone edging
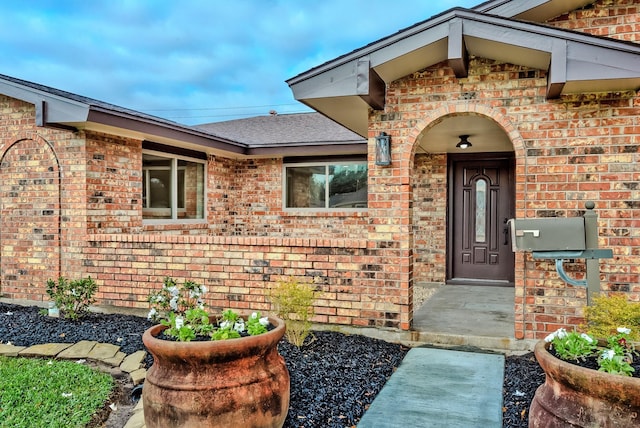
{"x": 105, "y": 353}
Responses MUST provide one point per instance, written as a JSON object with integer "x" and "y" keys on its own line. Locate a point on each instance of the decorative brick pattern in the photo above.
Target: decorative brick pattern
{"x": 30, "y": 217}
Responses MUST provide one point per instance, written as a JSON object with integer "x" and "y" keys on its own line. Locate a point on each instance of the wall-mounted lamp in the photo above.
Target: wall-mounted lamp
{"x": 464, "y": 142}
{"x": 383, "y": 149}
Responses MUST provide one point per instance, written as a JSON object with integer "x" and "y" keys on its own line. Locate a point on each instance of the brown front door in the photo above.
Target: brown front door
{"x": 481, "y": 200}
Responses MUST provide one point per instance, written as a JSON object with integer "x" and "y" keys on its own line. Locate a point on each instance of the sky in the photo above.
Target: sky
{"x": 193, "y": 61}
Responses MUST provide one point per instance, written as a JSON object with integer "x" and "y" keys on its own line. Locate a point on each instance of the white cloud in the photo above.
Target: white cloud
{"x": 195, "y": 54}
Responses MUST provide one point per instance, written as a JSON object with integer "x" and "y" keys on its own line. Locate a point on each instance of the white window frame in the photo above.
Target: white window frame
{"x": 326, "y": 165}
{"x": 174, "y": 192}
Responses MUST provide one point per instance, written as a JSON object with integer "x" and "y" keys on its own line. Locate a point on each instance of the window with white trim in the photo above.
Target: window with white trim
{"x": 323, "y": 185}
{"x": 172, "y": 187}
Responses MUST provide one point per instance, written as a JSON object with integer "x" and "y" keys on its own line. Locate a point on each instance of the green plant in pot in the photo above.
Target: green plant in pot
{"x": 212, "y": 371}
{"x": 588, "y": 378}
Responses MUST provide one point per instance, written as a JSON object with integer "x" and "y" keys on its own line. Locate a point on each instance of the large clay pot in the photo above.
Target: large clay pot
{"x": 227, "y": 383}
{"x": 574, "y": 396}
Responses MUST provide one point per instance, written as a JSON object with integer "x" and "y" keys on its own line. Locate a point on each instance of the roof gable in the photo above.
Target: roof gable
{"x": 346, "y": 87}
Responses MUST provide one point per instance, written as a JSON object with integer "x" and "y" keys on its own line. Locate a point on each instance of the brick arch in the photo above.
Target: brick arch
{"x": 30, "y": 218}
{"x": 434, "y": 117}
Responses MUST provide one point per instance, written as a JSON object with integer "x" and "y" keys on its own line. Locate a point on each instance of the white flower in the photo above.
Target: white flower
{"x": 587, "y": 338}
{"x": 225, "y": 324}
{"x": 239, "y": 326}
{"x": 264, "y": 321}
{"x": 608, "y": 354}
{"x": 173, "y": 304}
{"x": 254, "y": 315}
{"x": 203, "y": 289}
{"x": 81, "y": 361}
{"x": 179, "y": 322}
{"x": 173, "y": 290}
{"x": 67, "y": 394}
{"x": 560, "y": 333}
{"x": 624, "y": 330}
{"x": 152, "y": 314}
{"x": 49, "y": 363}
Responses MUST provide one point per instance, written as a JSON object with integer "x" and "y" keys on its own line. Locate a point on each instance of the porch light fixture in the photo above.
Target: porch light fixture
{"x": 383, "y": 149}
{"x": 464, "y": 142}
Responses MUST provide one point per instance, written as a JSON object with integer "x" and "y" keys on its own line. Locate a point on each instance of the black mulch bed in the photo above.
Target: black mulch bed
{"x": 334, "y": 377}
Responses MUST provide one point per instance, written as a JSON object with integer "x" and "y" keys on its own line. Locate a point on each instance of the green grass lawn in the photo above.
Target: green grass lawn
{"x": 42, "y": 393}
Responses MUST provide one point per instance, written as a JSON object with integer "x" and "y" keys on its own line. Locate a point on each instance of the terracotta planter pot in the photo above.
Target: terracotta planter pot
{"x": 574, "y": 396}
{"x": 237, "y": 382}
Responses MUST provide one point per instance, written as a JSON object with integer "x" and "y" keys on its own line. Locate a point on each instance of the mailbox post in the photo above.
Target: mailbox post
{"x": 561, "y": 239}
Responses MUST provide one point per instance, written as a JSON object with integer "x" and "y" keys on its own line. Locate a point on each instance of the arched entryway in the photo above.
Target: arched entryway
{"x": 462, "y": 252}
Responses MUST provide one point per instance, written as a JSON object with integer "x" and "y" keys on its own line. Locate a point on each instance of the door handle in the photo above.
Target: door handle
{"x": 506, "y": 231}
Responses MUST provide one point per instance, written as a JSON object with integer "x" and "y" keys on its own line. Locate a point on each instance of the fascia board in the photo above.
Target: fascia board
{"x": 49, "y": 107}
{"x": 587, "y": 62}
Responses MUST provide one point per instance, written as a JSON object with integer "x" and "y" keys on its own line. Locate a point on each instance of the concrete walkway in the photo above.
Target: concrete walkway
{"x": 440, "y": 388}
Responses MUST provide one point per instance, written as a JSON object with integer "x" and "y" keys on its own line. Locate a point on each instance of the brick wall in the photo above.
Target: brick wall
{"x": 239, "y": 271}
{"x": 429, "y": 218}
{"x": 245, "y": 199}
{"x": 617, "y": 19}
{"x": 89, "y": 188}
{"x": 114, "y": 184}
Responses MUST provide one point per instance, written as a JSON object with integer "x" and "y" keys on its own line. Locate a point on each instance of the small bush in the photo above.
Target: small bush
{"x": 607, "y": 313}
{"x": 293, "y": 302}
{"x": 72, "y": 298}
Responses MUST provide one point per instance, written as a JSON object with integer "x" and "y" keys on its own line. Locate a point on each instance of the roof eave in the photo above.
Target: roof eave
{"x": 146, "y": 129}
{"x": 309, "y": 149}
{"x": 454, "y": 36}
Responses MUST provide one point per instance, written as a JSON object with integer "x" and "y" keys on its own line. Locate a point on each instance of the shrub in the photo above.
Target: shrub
{"x": 74, "y": 297}
{"x": 293, "y": 302}
{"x": 607, "y": 313}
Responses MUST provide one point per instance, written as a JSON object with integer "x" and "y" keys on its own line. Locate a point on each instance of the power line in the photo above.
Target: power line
{"x": 232, "y": 115}
{"x": 221, "y": 108}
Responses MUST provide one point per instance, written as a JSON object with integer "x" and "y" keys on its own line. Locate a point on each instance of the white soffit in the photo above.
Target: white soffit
{"x": 410, "y": 62}
{"x": 531, "y": 10}
{"x": 505, "y": 52}
{"x": 485, "y": 135}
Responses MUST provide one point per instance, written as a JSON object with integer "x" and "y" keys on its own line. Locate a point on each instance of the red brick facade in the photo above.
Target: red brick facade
{"x": 72, "y": 202}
